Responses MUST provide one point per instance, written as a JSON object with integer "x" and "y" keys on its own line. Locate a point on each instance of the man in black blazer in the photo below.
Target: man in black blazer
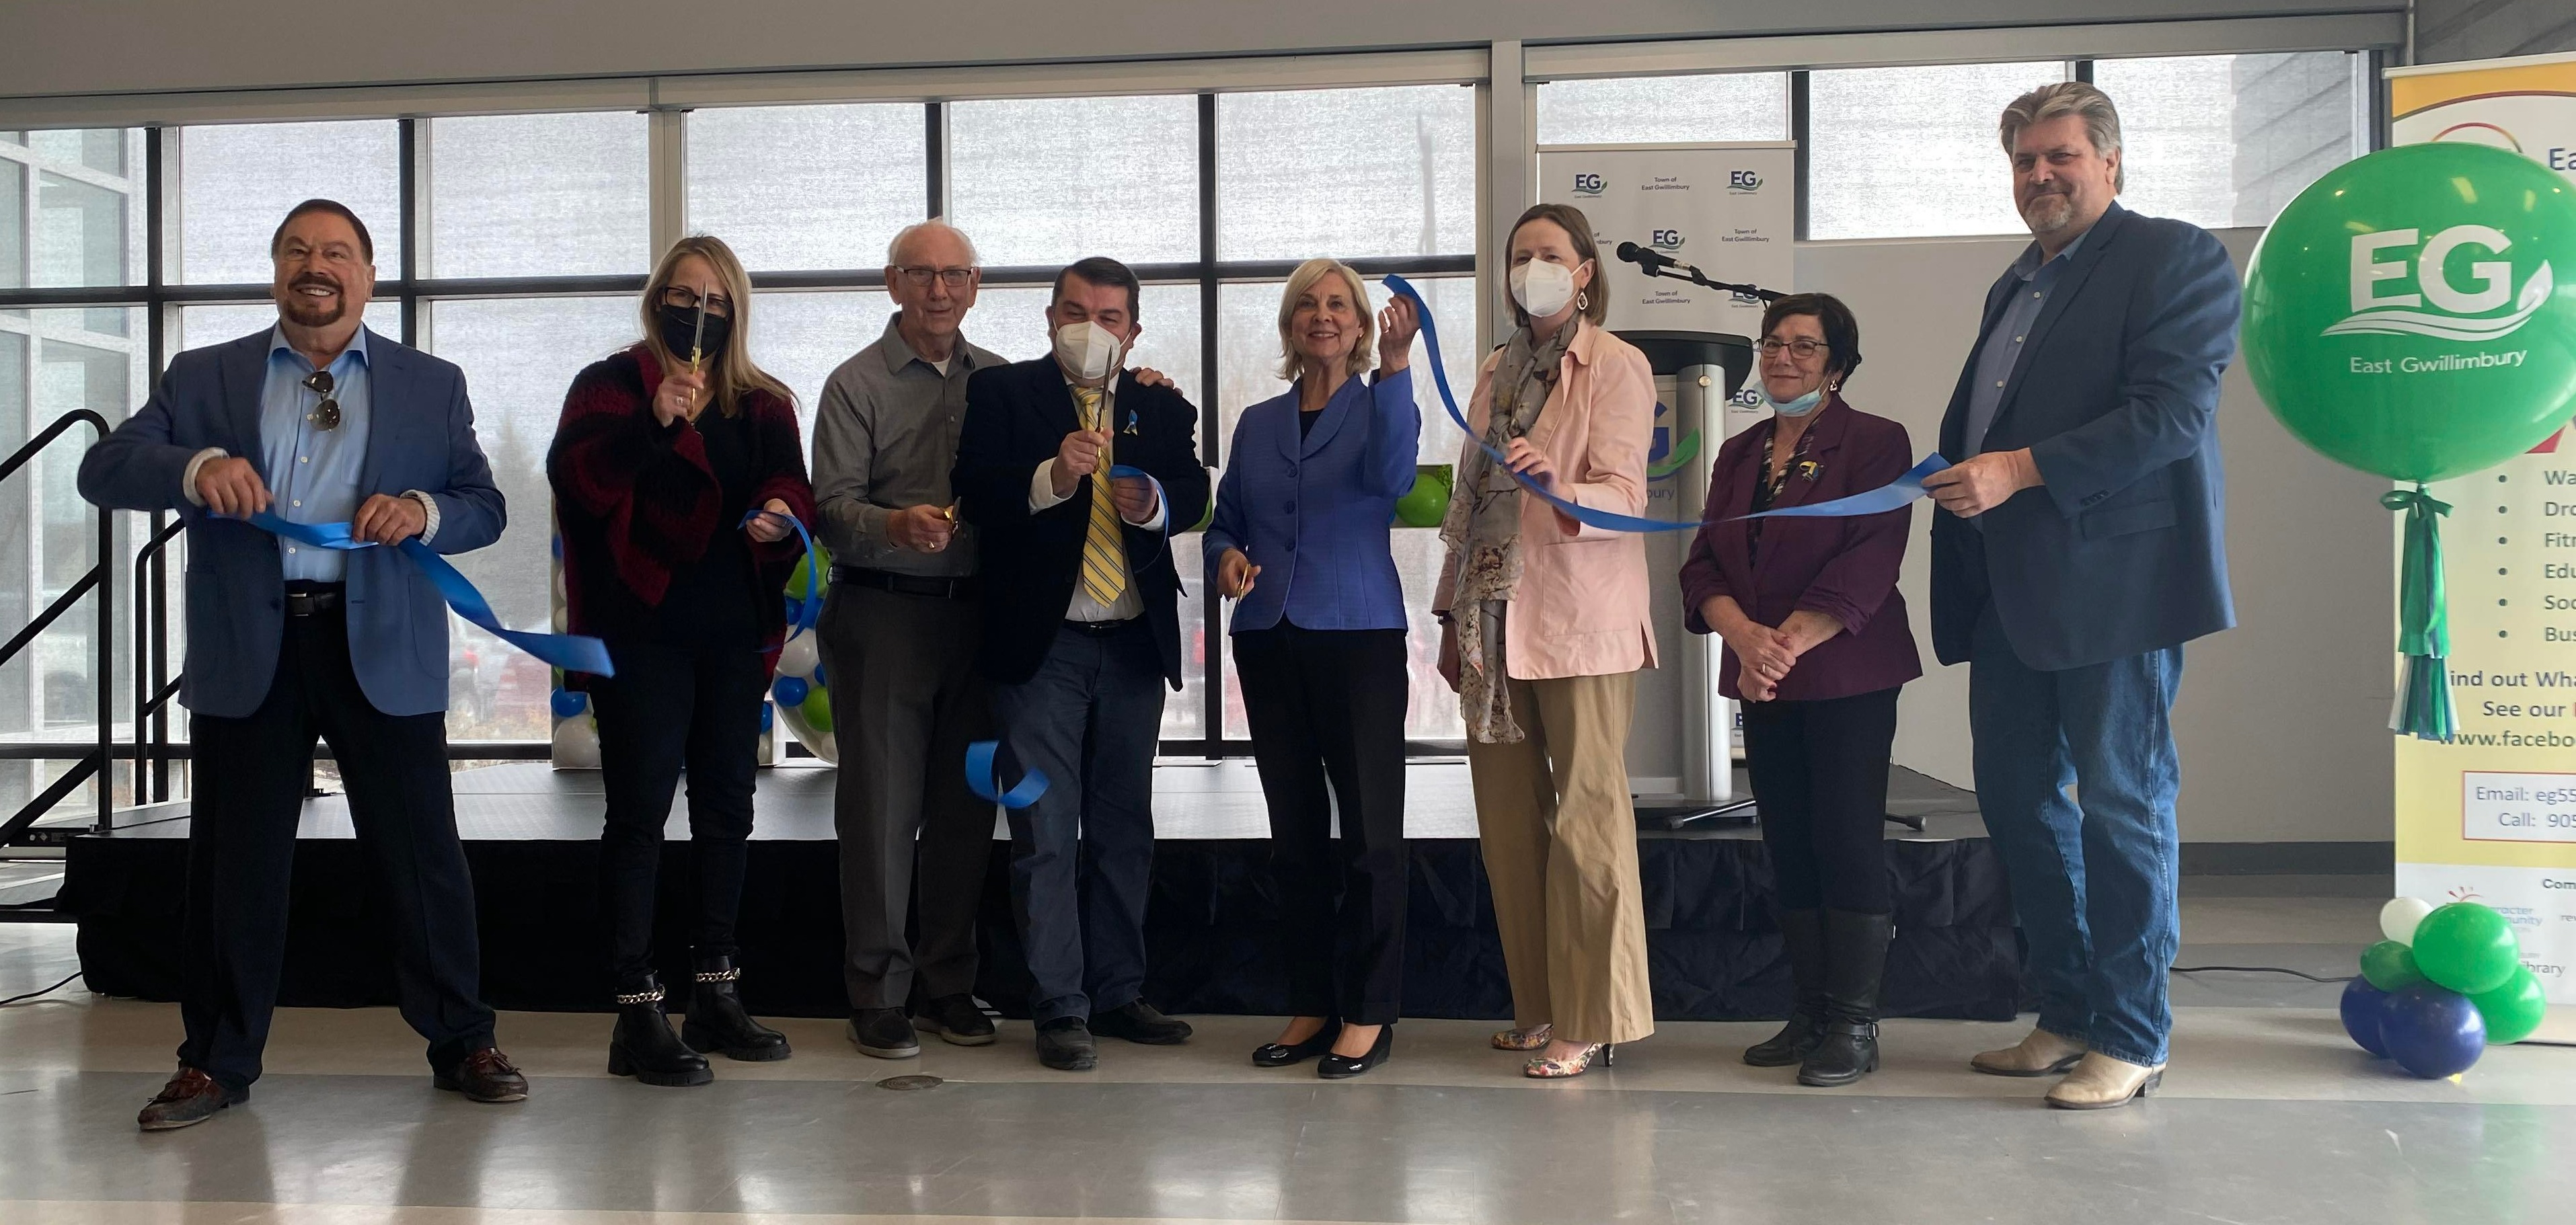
{"x": 1080, "y": 634}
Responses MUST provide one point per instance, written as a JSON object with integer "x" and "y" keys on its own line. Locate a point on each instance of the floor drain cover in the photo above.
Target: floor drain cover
{"x": 910, "y": 1082}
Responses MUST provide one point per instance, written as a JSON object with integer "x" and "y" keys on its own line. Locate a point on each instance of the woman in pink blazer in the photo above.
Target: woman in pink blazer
{"x": 1544, "y": 626}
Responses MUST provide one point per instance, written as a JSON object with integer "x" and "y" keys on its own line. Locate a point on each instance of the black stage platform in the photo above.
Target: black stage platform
{"x": 530, "y": 835}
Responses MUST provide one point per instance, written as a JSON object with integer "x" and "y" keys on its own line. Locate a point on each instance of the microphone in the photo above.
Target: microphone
{"x": 1645, "y": 257}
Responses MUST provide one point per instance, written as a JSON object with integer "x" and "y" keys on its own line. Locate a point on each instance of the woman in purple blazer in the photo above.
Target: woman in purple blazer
{"x": 1300, "y": 538}
{"x": 1816, "y": 649}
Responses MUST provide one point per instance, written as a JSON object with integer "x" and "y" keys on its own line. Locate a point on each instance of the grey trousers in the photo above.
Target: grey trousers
{"x": 907, "y": 700}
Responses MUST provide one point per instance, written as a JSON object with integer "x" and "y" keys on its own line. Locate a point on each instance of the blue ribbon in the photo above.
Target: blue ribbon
{"x": 808, "y": 609}
{"x": 570, "y": 652}
{"x": 1117, "y": 471}
{"x": 1904, "y": 490}
{"x": 980, "y": 779}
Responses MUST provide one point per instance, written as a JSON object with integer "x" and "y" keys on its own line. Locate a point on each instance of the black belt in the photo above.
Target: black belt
{"x": 304, "y": 598}
{"x": 908, "y": 584}
{"x": 1103, "y": 629}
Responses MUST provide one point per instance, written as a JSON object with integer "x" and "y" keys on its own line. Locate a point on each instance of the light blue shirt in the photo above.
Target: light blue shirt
{"x": 2001, "y": 353}
{"x": 313, "y": 472}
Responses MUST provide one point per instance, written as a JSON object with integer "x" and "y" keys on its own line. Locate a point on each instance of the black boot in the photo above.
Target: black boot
{"x": 1855, "y": 961}
{"x": 644, "y": 1046}
{"x": 718, "y": 1023}
{"x": 1803, "y": 933}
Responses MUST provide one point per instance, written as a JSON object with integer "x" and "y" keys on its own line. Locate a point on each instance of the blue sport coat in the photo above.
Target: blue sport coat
{"x": 422, "y": 437}
{"x": 2122, "y": 550}
{"x": 1314, "y": 512}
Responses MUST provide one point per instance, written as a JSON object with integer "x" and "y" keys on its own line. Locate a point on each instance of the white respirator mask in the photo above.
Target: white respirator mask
{"x": 1087, "y": 350}
{"x": 1542, "y": 288}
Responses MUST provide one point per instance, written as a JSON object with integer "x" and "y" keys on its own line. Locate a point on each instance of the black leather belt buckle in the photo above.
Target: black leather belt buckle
{"x": 1103, "y": 629}
{"x": 308, "y": 601}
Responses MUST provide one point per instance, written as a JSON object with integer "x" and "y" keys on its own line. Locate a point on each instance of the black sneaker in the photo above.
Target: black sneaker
{"x": 1065, "y": 1045}
{"x": 957, "y": 1020}
{"x": 1140, "y": 1022}
{"x": 884, "y": 1033}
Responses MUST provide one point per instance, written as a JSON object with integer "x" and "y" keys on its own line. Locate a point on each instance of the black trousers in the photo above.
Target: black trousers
{"x": 1329, "y": 705}
{"x": 1082, "y": 856}
{"x": 251, "y": 777}
{"x": 1819, "y": 771}
{"x": 672, "y": 705}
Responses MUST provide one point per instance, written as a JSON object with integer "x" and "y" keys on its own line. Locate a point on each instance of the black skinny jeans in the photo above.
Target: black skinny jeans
{"x": 672, "y": 704}
{"x": 1819, "y": 773}
{"x": 1329, "y": 704}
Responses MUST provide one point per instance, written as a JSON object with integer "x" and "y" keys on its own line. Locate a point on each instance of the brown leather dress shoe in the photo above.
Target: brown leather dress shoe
{"x": 486, "y": 1075}
{"x": 190, "y": 1098}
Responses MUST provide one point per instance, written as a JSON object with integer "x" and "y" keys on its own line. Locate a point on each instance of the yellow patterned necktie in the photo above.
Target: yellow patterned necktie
{"x": 1104, "y": 553}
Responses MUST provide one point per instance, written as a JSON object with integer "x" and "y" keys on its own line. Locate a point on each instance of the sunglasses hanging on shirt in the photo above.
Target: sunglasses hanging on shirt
{"x": 326, "y": 415}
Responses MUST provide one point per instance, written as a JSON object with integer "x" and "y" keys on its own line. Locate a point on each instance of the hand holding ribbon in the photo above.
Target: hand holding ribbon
{"x": 806, "y": 608}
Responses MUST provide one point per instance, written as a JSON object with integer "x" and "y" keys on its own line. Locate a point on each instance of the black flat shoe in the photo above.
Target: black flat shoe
{"x": 1343, "y": 1067}
{"x": 1283, "y": 1054}
{"x": 1138, "y": 1021}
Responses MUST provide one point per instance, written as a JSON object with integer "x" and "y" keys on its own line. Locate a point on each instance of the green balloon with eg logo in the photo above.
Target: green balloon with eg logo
{"x": 2413, "y": 313}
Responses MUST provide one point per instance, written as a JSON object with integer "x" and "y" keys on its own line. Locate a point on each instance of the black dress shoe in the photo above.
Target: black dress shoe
{"x": 717, "y": 1021}
{"x": 884, "y": 1033}
{"x": 191, "y": 1097}
{"x": 956, "y": 1020}
{"x": 1343, "y": 1067}
{"x": 1065, "y": 1045}
{"x": 644, "y": 1046}
{"x": 1283, "y": 1054}
{"x": 1138, "y": 1021}
{"x": 486, "y": 1075}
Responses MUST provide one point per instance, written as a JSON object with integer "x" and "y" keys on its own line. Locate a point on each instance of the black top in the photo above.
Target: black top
{"x": 1306, "y": 420}
{"x": 715, "y": 592}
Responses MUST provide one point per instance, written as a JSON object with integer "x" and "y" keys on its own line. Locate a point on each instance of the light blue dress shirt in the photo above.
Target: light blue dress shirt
{"x": 313, "y": 472}
{"x": 2001, "y": 353}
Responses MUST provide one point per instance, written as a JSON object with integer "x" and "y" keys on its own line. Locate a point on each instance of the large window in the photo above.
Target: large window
{"x": 1665, "y": 110}
{"x": 2228, "y": 140}
{"x": 1904, "y": 152}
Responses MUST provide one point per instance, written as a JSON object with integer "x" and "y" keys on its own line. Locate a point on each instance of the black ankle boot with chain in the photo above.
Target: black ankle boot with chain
{"x": 717, "y": 1021}
{"x": 644, "y": 1046}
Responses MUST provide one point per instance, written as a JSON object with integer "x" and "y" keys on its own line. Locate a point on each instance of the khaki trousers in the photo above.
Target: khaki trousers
{"x": 1560, "y": 842}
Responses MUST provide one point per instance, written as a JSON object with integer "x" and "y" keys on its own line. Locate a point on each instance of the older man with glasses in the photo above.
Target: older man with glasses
{"x": 899, "y": 635}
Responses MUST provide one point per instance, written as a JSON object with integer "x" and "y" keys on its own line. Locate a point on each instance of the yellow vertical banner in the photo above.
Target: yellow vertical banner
{"x": 2491, "y": 815}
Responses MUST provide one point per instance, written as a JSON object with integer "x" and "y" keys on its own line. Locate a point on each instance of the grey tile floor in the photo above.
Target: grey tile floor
{"x": 2268, "y": 1117}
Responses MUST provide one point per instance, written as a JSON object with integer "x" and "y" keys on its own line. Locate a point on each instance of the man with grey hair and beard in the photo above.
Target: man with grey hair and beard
{"x": 899, "y": 633}
{"x": 2082, "y": 548}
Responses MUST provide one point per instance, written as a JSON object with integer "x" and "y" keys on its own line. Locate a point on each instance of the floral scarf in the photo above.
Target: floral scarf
{"x": 1483, "y": 528}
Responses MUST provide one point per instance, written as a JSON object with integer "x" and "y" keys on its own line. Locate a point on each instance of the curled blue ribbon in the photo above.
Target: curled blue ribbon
{"x": 980, "y": 779}
{"x": 808, "y": 609}
{"x": 1888, "y": 497}
{"x": 570, "y": 652}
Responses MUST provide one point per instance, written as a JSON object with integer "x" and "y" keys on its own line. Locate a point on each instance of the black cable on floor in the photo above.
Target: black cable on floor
{"x": 2261, "y": 970}
{"x": 47, "y": 991}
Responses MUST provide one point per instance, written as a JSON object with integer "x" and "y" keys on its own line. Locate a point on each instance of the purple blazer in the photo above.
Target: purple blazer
{"x": 1844, "y": 568}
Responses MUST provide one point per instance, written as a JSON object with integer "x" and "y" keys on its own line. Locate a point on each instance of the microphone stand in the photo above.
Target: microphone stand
{"x": 1685, "y": 272}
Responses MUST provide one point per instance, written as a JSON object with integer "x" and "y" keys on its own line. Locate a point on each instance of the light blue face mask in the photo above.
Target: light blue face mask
{"x": 1798, "y": 407}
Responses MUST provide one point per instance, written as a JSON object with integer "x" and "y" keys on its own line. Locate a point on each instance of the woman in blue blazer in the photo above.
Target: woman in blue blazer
{"x": 1300, "y": 538}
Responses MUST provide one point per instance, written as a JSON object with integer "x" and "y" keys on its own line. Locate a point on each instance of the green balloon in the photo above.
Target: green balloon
{"x": 2467, "y": 948}
{"x": 1428, "y": 501}
{"x": 2390, "y": 966}
{"x": 818, "y": 709}
{"x": 822, "y": 581}
{"x": 2413, "y": 313}
{"x": 2513, "y": 1010}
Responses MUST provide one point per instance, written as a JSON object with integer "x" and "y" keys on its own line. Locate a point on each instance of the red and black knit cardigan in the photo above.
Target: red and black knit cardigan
{"x": 635, "y": 498}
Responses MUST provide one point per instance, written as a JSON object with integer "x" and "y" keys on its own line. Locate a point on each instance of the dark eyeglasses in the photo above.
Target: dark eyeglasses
{"x": 920, "y": 274}
{"x": 326, "y": 415}
{"x": 1802, "y": 347}
{"x": 688, "y": 300}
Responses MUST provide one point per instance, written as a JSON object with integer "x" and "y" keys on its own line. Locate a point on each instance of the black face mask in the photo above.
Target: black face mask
{"x": 680, "y": 324}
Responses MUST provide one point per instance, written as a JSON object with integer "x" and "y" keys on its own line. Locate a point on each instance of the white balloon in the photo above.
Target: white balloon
{"x": 576, "y": 745}
{"x": 2397, "y": 919}
{"x": 563, "y": 621}
{"x": 799, "y": 656}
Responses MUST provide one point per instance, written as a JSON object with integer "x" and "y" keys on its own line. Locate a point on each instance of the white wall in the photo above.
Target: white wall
{"x": 2282, "y": 721}
{"x": 107, "y": 46}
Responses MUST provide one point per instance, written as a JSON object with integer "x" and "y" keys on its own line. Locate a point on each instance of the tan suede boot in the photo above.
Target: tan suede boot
{"x": 2101, "y": 1082}
{"x": 2040, "y": 1054}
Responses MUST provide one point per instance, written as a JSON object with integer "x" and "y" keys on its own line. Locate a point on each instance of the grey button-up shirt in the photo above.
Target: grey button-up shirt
{"x": 885, "y": 437}
{"x": 2001, "y": 353}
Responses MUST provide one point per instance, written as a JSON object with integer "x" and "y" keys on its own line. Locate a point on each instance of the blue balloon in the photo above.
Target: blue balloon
{"x": 790, "y": 690}
{"x": 768, "y": 714}
{"x": 2432, "y": 1031}
{"x": 2364, "y": 1008}
{"x": 556, "y": 543}
{"x": 795, "y": 610}
{"x": 819, "y": 681}
{"x": 568, "y": 703}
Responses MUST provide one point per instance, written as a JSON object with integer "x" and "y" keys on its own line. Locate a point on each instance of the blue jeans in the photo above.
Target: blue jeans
{"x": 1082, "y": 856}
{"x": 2093, "y": 877}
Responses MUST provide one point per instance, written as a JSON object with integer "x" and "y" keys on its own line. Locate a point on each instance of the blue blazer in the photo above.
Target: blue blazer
{"x": 422, "y": 437}
{"x": 2123, "y": 549}
{"x": 1314, "y": 512}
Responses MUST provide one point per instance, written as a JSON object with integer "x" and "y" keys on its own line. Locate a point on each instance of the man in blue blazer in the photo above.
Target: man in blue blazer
{"x": 316, "y": 420}
{"x": 2083, "y": 547}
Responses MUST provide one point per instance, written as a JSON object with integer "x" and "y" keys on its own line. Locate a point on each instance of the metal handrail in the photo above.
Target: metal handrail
{"x": 153, "y": 684}
{"x": 101, "y": 578}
